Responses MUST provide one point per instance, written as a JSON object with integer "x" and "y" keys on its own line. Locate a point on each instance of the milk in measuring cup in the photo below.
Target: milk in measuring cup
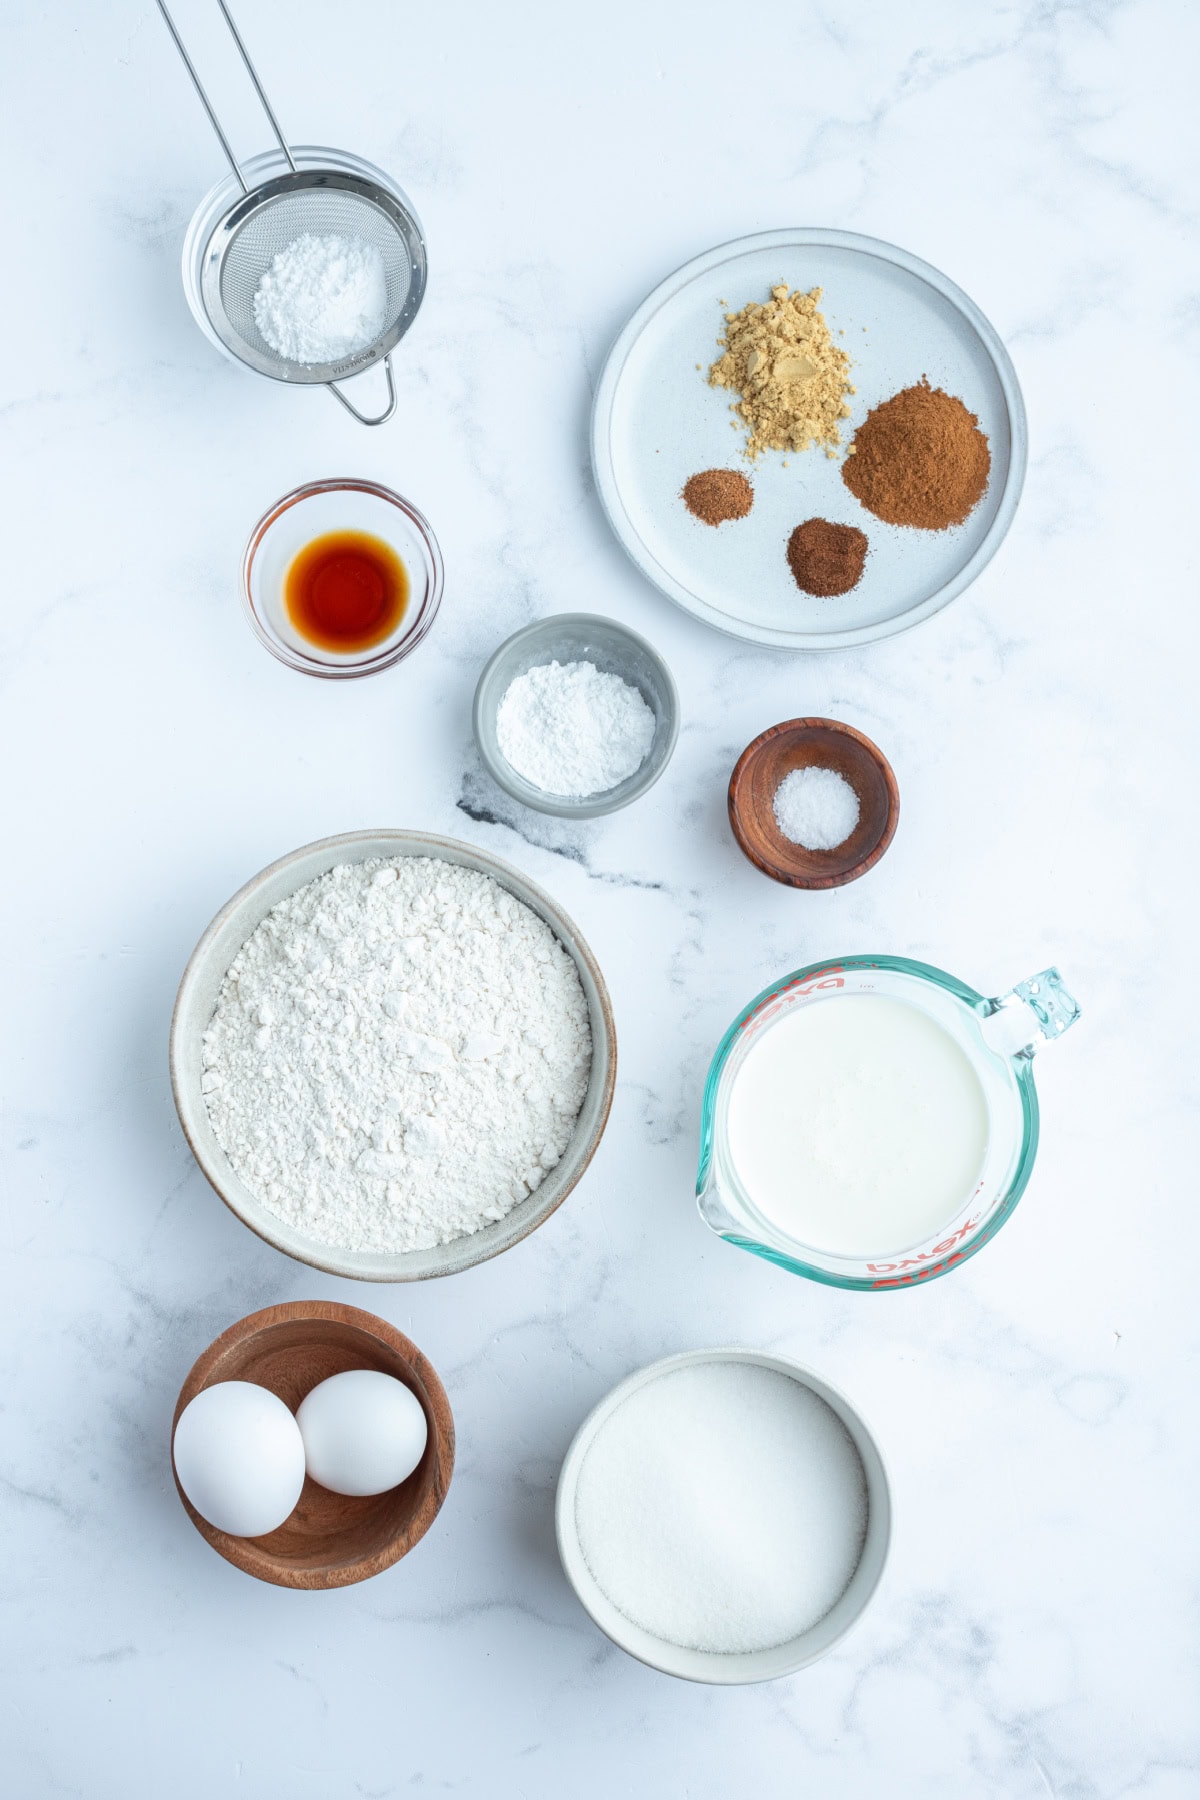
{"x": 857, "y": 1126}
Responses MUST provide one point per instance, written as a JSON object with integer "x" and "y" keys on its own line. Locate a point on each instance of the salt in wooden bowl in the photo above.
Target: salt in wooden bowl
{"x": 819, "y": 744}
{"x": 330, "y": 1540}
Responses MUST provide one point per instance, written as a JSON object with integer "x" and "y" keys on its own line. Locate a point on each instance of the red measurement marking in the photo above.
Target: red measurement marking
{"x": 923, "y": 1256}
{"x": 772, "y": 1003}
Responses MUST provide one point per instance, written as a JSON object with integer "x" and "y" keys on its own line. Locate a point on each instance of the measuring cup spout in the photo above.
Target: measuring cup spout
{"x": 1035, "y": 1012}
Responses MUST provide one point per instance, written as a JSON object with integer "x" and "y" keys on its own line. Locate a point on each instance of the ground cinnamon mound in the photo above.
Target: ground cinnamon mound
{"x": 718, "y": 494}
{"x": 825, "y": 558}
{"x": 919, "y": 459}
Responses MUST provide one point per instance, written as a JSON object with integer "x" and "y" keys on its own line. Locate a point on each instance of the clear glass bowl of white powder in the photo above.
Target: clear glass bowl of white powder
{"x": 402, "y": 303}
{"x": 580, "y": 659}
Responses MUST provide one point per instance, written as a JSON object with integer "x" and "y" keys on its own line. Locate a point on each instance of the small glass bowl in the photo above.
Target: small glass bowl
{"x": 342, "y": 504}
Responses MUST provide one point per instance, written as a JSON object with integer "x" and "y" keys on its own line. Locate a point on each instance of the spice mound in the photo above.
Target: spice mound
{"x": 397, "y": 1056}
{"x": 816, "y": 808}
{"x": 919, "y": 459}
{"x": 573, "y": 729}
{"x": 826, "y": 559}
{"x": 716, "y": 495}
{"x": 792, "y": 378}
{"x": 322, "y": 298}
{"x": 722, "y": 1507}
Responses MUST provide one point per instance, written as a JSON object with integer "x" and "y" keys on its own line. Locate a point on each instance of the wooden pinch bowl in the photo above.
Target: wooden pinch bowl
{"x": 330, "y": 1540}
{"x": 822, "y": 744}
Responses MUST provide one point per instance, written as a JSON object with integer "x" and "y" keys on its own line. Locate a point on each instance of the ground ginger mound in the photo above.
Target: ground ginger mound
{"x": 919, "y": 459}
{"x": 792, "y": 378}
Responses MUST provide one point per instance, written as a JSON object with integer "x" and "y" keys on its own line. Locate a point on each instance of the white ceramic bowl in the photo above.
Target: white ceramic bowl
{"x": 197, "y": 997}
{"x": 706, "y": 1665}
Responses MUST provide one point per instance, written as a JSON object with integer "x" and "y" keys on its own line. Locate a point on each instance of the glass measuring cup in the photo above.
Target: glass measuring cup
{"x": 999, "y": 1038}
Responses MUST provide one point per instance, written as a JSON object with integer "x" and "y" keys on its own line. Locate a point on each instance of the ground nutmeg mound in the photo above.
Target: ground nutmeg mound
{"x": 716, "y": 495}
{"x": 919, "y": 459}
{"x": 825, "y": 558}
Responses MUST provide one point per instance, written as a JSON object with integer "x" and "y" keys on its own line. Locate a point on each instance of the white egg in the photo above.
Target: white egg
{"x": 239, "y": 1457}
{"x": 364, "y": 1432}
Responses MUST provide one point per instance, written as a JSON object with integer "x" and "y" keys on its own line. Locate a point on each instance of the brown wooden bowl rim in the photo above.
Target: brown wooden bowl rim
{"x": 245, "y": 1553}
{"x": 776, "y": 871}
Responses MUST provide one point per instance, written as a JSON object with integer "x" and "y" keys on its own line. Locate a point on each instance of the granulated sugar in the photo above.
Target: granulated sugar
{"x": 722, "y": 1507}
{"x": 398, "y": 1055}
{"x": 816, "y": 808}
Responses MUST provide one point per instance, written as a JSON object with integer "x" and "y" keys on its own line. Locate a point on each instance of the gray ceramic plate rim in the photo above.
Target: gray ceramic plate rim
{"x": 654, "y": 571}
{"x": 703, "y": 1665}
{"x": 506, "y": 777}
{"x": 190, "y": 1018}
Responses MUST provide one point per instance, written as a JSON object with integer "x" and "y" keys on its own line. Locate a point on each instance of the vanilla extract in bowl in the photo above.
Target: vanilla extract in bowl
{"x": 346, "y": 591}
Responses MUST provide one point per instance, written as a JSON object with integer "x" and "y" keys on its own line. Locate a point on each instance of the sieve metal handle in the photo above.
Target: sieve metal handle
{"x": 207, "y": 104}
{"x": 381, "y": 418}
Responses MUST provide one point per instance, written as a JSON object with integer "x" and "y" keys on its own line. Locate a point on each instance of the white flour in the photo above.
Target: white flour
{"x": 398, "y": 1055}
{"x": 572, "y": 729}
{"x": 322, "y": 298}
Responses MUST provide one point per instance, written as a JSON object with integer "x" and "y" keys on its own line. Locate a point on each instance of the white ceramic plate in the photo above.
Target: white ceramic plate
{"x": 655, "y": 421}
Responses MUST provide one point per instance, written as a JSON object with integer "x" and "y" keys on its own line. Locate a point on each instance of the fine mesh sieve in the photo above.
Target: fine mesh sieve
{"x": 251, "y": 233}
{"x": 263, "y": 219}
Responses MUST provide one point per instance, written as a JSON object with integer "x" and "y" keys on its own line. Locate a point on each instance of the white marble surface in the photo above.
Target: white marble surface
{"x": 1035, "y": 1630}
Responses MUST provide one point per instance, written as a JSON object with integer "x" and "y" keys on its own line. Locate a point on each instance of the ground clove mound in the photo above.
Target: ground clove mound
{"x": 716, "y": 495}
{"x": 919, "y": 459}
{"x": 792, "y": 378}
{"x": 825, "y": 558}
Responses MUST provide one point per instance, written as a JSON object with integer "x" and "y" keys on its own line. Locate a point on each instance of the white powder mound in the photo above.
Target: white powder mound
{"x": 322, "y": 298}
{"x": 573, "y": 730}
{"x": 723, "y": 1507}
{"x": 398, "y": 1055}
{"x": 816, "y": 808}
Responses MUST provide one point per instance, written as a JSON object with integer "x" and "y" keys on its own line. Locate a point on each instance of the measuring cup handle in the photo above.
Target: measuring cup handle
{"x": 381, "y": 418}
{"x": 1046, "y": 998}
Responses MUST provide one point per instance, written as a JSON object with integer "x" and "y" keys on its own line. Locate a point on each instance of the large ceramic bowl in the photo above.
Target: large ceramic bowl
{"x": 198, "y": 996}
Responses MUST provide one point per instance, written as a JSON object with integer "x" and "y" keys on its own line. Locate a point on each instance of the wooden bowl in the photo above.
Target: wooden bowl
{"x": 330, "y": 1540}
{"x": 802, "y": 744}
